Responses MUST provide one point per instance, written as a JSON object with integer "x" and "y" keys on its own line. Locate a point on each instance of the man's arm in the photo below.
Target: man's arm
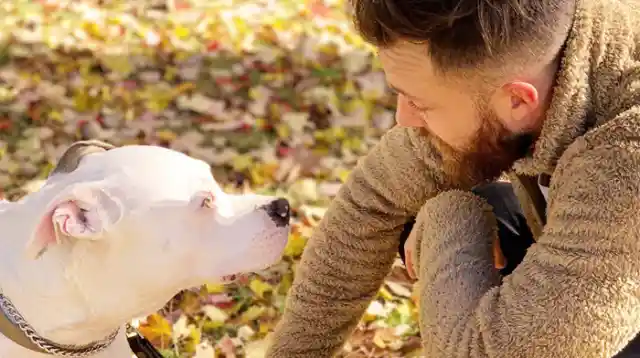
{"x": 576, "y": 293}
{"x": 352, "y": 250}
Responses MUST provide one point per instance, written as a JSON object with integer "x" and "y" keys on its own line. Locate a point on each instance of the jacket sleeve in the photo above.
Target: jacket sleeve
{"x": 575, "y": 294}
{"x": 352, "y": 250}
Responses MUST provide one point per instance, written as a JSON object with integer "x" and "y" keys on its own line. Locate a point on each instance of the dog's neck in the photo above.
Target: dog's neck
{"x": 42, "y": 290}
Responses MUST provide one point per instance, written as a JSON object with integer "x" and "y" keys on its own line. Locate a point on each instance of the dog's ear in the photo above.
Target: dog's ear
{"x": 71, "y": 157}
{"x": 81, "y": 212}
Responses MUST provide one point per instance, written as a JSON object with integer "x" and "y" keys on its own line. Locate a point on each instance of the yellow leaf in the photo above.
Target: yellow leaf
{"x": 339, "y": 133}
{"x": 343, "y": 174}
{"x": 251, "y": 314}
{"x": 241, "y": 162}
{"x": 295, "y": 245}
{"x": 378, "y": 341}
{"x": 56, "y": 116}
{"x": 195, "y": 338}
{"x": 211, "y": 325}
{"x": 266, "y": 327}
{"x": 183, "y": 87}
{"x": 257, "y": 176}
{"x": 283, "y": 131}
{"x": 170, "y": 73}
{"x": 386, "y": 295}
{"x": 367, "y": 318}
{"x": 157, "y": 328}
{"x": 261, "y": 122}
{"x": 130, "y": 114}
{"x": 166, "y": 135}
{"x": 120, "y": 64}
{"x": 259, "y": 287}
{"x": 214, "y": 288}
{"x": 285, "y": 283}
{"x": 93, "y": 30}
{"x": 182, "y": 32}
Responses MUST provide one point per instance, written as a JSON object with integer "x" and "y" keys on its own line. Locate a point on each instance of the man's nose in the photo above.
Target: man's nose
{"x": 279, "y": 211}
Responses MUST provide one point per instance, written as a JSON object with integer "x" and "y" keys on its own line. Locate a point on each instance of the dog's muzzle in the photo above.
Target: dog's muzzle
{"x": 279, "y": 211}
{"x": 17, "y": 329}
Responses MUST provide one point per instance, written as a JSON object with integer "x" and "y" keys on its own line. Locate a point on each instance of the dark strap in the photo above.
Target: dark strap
{"x": 141, "y": 347}
{"x": 11, "y": 331}
{"x": 536, "y": 197}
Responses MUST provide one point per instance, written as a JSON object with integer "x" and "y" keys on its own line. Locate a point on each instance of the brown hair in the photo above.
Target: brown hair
{"x": 466, "y": 33}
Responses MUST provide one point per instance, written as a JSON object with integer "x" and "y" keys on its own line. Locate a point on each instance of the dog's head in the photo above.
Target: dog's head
{"x": 136, "y": 214}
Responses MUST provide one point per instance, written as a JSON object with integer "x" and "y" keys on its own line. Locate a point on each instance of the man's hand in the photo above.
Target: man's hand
{"x": 409, "y": 246}
{"x": 499, "y": 261}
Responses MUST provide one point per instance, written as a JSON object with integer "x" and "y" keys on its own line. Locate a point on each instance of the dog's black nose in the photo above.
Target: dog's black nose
{"x": 279, "y": 211}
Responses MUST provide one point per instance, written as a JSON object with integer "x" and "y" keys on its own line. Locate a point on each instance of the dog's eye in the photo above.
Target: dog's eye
{"x": 208, "y": 200}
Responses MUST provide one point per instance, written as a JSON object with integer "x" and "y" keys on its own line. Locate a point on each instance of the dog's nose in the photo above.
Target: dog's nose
{"x": 279, "y": 211}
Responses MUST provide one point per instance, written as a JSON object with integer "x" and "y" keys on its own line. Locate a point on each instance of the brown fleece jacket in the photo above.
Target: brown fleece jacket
{"x": 577, "y": 292}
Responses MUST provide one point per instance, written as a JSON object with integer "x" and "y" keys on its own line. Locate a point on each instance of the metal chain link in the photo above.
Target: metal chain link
{"x": 48, "y": 346}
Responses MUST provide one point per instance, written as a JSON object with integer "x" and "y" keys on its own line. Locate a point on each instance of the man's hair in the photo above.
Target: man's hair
{"x": 466, "y": 33}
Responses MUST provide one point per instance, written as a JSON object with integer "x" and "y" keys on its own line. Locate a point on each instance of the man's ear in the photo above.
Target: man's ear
{"x": 518, "y": 106}
{"x": 82, "y": 212}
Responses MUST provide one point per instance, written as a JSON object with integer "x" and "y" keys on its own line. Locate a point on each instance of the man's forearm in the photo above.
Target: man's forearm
{"x": 352, "y": 250}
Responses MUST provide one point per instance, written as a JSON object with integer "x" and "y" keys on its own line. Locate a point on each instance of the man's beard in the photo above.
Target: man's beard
{"x": 492, "y": 151}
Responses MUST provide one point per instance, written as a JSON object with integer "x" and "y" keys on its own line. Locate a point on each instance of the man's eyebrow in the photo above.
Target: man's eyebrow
{"x": 412, "y": 98}
{"x": 400, "y": 91}
{"x": 397, "y": 90}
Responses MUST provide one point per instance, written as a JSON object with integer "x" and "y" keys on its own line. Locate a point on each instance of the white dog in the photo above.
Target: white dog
{"x": 114, "y": 234}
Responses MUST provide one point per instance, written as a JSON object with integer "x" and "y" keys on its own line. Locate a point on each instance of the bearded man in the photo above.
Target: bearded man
{"x": 546, "y": 91}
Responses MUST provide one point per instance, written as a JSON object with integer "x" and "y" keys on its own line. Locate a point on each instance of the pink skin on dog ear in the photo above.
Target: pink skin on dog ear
{"x": 66, "y": 219}
{"x": 84, "y": 215}
{"x": 42, "y": 237}
{"x": 70, "y": 220}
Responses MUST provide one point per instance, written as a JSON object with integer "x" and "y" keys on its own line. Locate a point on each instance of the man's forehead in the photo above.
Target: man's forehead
{"x": 407, "y": 68}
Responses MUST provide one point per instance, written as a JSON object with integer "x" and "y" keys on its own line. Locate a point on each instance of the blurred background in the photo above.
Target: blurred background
{"x": 280, "y": 97}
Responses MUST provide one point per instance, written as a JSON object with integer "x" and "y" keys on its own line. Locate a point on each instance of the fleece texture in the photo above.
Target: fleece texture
{"x": 577, "y": 291}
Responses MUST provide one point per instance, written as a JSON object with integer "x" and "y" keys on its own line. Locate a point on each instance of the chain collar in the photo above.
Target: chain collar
{"x": 44, "y": 345}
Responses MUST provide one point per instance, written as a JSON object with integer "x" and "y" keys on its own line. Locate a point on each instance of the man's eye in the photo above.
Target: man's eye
{"x": 413, "y": 105}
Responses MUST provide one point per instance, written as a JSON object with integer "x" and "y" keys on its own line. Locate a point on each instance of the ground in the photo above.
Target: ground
{"x": 280, "y": 96}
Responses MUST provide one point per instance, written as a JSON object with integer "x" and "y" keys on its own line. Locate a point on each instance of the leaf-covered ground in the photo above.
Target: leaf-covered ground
{"x": 278, "y": 95}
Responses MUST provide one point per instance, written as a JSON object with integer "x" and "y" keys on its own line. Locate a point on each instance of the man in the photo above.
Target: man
{"x": 545, "y": 90}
